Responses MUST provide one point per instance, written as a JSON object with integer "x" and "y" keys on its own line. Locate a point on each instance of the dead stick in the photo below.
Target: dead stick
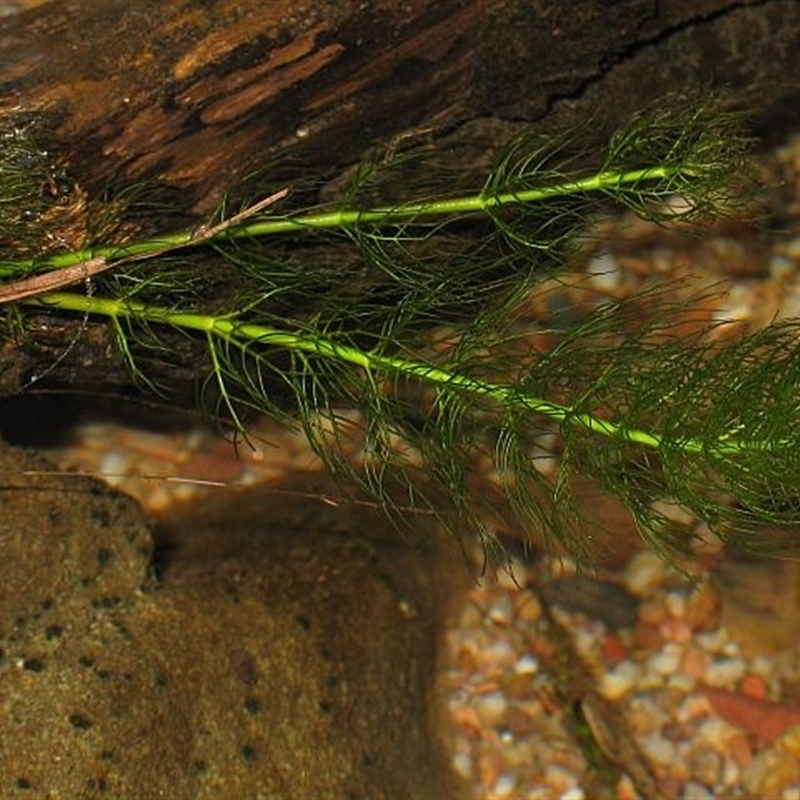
{"x": 67, "y": 276}
{"x": 56, "y": 279}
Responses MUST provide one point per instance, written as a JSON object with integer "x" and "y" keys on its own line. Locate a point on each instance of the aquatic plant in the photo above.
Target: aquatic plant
{"x": 388, "y": 323}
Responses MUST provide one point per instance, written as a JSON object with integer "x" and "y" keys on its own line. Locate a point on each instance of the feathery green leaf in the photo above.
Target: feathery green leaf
{"x": 394, "y": 327}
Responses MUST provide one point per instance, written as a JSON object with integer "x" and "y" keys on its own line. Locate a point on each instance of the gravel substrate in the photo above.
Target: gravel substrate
{"x": 553, "y": 698}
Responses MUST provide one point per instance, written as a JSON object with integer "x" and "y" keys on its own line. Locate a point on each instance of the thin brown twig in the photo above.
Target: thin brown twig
{"x": 55, "y": 279}
{"x": 67, "y": 276}
{"x": 204, "y": 483}
{"x": 204, "y": 232}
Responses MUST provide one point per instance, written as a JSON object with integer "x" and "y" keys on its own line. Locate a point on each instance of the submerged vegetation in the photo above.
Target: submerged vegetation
{"x": 389, "y": 324}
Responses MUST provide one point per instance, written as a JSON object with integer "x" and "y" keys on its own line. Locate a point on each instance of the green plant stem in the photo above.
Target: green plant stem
{"x": 236, "y": 331}
{"x": 609, "y": 181}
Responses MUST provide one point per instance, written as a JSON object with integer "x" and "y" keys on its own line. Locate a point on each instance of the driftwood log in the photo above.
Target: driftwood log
{"x": 195, "y": 95}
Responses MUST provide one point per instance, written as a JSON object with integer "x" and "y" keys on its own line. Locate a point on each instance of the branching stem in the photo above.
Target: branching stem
{"x": 610, "y": 181}
{"x": 236, "y": 331}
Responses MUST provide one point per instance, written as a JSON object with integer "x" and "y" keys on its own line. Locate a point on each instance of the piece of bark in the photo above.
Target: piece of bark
{"x": 198, "y": 93}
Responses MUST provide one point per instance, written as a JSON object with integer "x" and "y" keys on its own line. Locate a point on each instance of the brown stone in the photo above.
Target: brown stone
{"x": 270, "y": 653}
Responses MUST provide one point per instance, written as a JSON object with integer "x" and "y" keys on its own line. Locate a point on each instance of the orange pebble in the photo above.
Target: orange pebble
{"x": 467, "y": 719}
{"x": 740, "y": 751}
{"x": 647, "y": 637}
{"x": 703, "y": 608}
{"x": 753, "y": 686}
{"x": 614, "y": 650}
{"x": 626, "y": 790}
{"x": 651, "y": 613}
{"x": 675, "y": 630}
{"x": 695, "y": 663}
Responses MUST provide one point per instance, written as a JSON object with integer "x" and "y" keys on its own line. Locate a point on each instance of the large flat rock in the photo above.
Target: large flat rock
{"x": 275, "y": 649}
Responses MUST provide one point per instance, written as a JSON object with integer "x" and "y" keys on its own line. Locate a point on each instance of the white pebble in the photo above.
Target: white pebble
{"x": 604, "y": 272}
{"x": 681, "y": 682}
{"x": 675, "y": 605}
{"x": 724, "y": 672}
{"x": 504, "y": 786}
{"x": 501, "y": 611}
{"x": 731, "y": 774}
{"x": 585, "y": 642}
{"x": 665, "y": 663}
{"x": 619, "y": 681}
{"x": 712, "y": 641}
{"x": 781, "y": 267}
{"x": 696, "y": 791}
{"x": 499, "y": 653}
{"x": 114, "y": 466}
{"x": 659, "y": 750}
{"x": 491, "y": 707}
{"x": 732, "y": 649}
{"x": 527, "y": 665}
{"x": 462, "y": 765}
{"x": 644, "y": 572}
{"x": 714, "y": 734}
{"x": 678, "y": 205}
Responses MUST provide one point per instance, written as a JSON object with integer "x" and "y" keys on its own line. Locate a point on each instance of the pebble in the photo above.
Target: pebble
{"x": 527, "y": 665}
{"x": 616, "y": 684}
{"x": 462, "y": 764}
{"x": 659, "y": 750}
{"x": 782, "y": 267}
{"x": 501, "y": 611}
{"x": 498, "y": 653}
{"x": 605, "y": 273}
{"x": 645, "y": 571}
{"x": 675, "y": 604}
{"x": 696, "y": 791}
{"x": 676, "y": 630}
{"x": 703, "y": 608}
{"x": 504, "y": 786}
{"x": 753, "y": 685}
{"x": 666, "y": 662}
{"x": 724, "y": 672}
{"x": 559, "y": 778}
{"x": 695, "y": 663}
{"x": 769, "y": 773}
{"x": 528, "y": 608}
{"x": 682, "y": 682}
{"x": 491, "y": 708}
{"x": 706, "y": 766}
{"x": 712, "y": 641}
{"x": 789, "y": 742}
